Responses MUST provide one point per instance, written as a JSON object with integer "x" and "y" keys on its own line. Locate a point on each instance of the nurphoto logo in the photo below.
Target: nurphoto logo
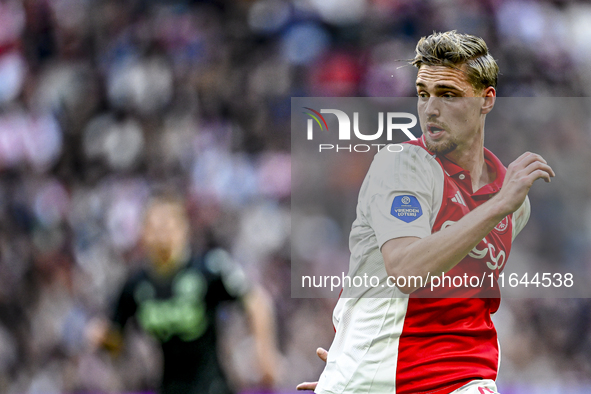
{"x": 393, "y": 123}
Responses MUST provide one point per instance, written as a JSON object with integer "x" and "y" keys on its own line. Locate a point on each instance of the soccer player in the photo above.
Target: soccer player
{"x": 445, "y": 204}
{"x": 176, "y": 298}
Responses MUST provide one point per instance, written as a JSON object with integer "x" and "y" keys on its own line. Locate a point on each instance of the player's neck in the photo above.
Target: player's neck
{"x": 471, "y": 159}
{"x": 167, "y": 265}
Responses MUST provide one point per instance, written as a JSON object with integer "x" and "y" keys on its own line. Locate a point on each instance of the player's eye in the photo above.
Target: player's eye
{"x": 422, "y": 95}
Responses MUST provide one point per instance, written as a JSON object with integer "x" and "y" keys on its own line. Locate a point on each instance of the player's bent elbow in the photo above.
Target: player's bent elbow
{"x": 407, "y": 290}
{"x": 406, "y": 282}
{"x": 398, "y": 261}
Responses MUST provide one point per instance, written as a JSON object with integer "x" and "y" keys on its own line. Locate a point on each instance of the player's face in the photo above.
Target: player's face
{"x": 165, "y": 232}
{"x": 450, "y": 110}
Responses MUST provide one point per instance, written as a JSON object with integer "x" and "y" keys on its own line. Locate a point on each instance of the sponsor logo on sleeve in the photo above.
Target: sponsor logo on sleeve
{"x": 406, "y": 208}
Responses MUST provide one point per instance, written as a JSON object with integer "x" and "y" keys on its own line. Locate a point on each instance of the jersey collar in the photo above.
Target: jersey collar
{"x": 454, "y": 170}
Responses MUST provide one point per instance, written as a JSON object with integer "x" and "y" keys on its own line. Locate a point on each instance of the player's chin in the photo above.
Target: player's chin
{"x": 441, "y": 148}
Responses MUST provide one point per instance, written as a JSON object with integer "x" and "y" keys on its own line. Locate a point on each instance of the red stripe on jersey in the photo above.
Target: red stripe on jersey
{"x": 448, "y": 342}
{"x": 338, "y": 298}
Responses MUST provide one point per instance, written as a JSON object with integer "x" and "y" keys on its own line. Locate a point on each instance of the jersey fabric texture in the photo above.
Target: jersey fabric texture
{"x": 389, "y": 342}
{"x": 485, "y": 386}
{"x": 180, "y": 312}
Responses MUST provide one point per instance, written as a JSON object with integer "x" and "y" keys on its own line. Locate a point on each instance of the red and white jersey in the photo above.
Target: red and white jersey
{"x": 389, "y": 342}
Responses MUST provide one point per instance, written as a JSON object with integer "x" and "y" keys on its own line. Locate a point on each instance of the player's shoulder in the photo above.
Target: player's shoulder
{"x": 520, "y": 217}
{"x": 134, "y": 278}
{"x": 403, "y": 156}
{"x": 219, "y": 266}
{"x": 214, "y": 261}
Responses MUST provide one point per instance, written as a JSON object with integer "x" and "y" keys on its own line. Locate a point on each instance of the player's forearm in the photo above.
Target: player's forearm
{"x": 441, "y": 251}
{"x": 259, "y": 307}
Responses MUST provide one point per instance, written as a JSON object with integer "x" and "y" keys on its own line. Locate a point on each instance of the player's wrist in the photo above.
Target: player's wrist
{"x": 498, "y": 209}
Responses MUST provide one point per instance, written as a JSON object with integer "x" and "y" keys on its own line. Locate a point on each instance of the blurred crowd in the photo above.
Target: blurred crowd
{"x": 102, "y": 101}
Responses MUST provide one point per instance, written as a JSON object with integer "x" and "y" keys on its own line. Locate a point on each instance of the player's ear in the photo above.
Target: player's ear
{"x": 490, "y": 95}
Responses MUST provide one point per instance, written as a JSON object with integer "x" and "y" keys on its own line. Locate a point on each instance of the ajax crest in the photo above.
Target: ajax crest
{"x": 503, "y": 225}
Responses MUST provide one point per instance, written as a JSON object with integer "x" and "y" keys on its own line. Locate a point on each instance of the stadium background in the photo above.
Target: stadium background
{"x": 101, "y": 100}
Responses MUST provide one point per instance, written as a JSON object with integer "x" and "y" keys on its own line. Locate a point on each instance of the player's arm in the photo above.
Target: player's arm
{"x": 104, "y": 332}
{"x": 441, "y": 251}
{"x": 230, "y": 283}
{"x": 260, "y": 312}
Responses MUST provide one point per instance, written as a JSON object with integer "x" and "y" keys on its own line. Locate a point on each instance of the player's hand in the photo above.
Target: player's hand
{"x": 323, "y": 354}
{"x": 519, "y": 178}
{"x": 96, "y": 332}
{"x": 99, "y": 333}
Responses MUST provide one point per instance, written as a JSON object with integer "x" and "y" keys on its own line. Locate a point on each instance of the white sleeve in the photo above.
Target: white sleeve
{"x": 402, "y": 193}
{"x": 520, "y": 217}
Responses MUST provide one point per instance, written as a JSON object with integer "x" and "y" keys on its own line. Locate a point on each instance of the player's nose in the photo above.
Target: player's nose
{"x": 434, "y": 106}
{"x": 431, "y": 107}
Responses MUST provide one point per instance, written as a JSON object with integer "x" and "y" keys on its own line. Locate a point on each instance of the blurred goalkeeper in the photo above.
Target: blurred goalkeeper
{"x": 175, "y": 299}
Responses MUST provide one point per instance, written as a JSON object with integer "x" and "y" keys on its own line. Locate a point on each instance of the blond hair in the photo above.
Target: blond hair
{"x": 452, "y": 49}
